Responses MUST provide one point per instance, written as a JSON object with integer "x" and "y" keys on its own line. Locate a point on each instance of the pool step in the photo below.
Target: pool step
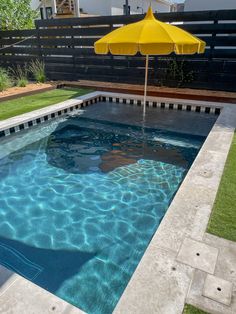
{"x": 14, "y": 260}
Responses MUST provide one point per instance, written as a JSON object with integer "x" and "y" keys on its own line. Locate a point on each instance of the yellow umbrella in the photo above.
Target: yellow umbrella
{"x": 149, "y": 37}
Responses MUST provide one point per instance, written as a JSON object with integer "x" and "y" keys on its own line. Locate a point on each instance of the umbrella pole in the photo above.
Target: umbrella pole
{"x": 145, "y": 87}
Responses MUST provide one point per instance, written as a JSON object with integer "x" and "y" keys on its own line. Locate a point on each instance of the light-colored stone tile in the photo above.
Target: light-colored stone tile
{"x": 226, "y": 262}
{"x": 196, "y": 298}
{"x": 208, "y": 168}
{"x": 218, "y": 289}
{"x": 187, "y": 216}
{"x": 219, "y": 139}
{"x": 198, "y": 255}
{"x": 158, "y": 286}
{"x": 201, "y": 220}
{"x": 227, "y": 117}
{"x": 24, "y": 297}
{"x": 45, "y": 111}
{"x": 7, "y": 279}
{"x": 189, "y": 211}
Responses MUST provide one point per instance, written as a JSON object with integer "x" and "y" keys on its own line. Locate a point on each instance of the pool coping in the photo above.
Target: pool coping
{"x": 70, "y": 106}
{"x": 187, "y": 215}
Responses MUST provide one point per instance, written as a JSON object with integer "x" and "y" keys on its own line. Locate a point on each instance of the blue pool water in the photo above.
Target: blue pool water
{"x": 79, "y": 205}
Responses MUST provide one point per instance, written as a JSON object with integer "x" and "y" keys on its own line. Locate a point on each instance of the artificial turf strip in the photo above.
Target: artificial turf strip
{"x": 15, "y": 107}
{"x": 222, "y": 222}
{"x": 189, "y": 309}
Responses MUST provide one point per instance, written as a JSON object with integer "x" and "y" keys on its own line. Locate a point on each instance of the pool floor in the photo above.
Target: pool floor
{"x": 79, "y": 205}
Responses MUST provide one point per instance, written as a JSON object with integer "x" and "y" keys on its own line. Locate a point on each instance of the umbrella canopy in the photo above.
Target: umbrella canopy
{"x": 149, "y": 37}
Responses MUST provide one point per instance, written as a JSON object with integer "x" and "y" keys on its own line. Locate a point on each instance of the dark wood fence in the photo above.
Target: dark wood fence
{"x": 66, "y": 47}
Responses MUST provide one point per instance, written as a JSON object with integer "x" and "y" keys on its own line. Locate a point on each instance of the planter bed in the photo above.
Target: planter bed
{"x": 30, "y": 89}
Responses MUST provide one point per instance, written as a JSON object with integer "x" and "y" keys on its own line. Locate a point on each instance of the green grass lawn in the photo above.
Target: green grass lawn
{"x": 222, "y": 222}
{"x": 189, "y": 309}
{"x": 25, "y": 104}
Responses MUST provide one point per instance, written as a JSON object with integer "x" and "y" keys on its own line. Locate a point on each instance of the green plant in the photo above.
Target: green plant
{"x": 37, "y": 68}
{"x": 5, "y": 80}
{"x": 189, "y": 309}
{"x": 22, "y": 82}
{"x": 222, "y": 221}
{"x": 177, "y": 70}
{"x": 17, "y": 15}
{"x": 15, "y": 107}
{"x": 19, "y": 75}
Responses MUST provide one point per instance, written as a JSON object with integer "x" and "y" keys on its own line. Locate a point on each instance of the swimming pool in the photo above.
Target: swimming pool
{"x": 82, "y": 198}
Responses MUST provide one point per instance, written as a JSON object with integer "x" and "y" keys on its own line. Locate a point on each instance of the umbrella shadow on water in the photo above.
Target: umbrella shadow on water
{"x": 81, "y": 150}
{"x": 47, "y": 268}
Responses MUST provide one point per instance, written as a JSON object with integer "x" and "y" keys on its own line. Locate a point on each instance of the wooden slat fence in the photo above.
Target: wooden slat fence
{"x": 66, "y": 47}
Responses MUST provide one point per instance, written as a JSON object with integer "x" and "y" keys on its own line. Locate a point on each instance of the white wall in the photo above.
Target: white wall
{"x": 96, "y": 7}
{"x": 35, "y": 4}
{"x": 157, "y": 6}
{"x": 113, "y": 7}
{"x": 199, "y": 5}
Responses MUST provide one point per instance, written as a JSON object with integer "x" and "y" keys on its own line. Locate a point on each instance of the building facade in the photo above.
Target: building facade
{"x": 75, "y": 8}
{"x": 177, "y": 7}
{"x": 200, "y": 5}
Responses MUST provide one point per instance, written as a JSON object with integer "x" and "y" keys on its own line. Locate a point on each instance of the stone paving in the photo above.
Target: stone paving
{"x": 20, "y": 296}
{"x": 216, "y": 294}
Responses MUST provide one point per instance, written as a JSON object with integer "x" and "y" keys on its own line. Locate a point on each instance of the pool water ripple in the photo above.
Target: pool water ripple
{"x": 84, "y": 202}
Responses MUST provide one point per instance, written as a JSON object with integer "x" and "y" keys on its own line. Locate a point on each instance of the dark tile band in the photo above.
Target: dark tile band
{"x": 86, "y": 103}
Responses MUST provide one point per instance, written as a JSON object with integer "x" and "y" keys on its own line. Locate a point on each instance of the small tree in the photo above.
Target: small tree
{"x": 16, "y": 14}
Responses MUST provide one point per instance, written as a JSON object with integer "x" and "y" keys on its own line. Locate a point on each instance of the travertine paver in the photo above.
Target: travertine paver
{"x": 196, "y": 298}
{"x": 20, "y": 296}
{"x": 226, "y": 262}
{"x": 23, "y": 118}
{"x": 6, "y": 278}
{"x": 225, "y": 269}
{"x": 218, "y": 289}
{"x": 198, "y": 255}
{"x": 159, "y": 287}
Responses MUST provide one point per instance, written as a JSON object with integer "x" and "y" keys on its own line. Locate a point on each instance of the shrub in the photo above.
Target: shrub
{"x": 179, "y": 72}
{"x": 19, "y": 75}
{"x": 22, "y": 82}
{"x": 37, "y": 68}
{"x": 5, "y": 81}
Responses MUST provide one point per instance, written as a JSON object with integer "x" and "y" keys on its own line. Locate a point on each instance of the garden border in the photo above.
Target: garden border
{"x": 29, "y": 93}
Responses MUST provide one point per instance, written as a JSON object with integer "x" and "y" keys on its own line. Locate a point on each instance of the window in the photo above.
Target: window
{"x": 41, "y": 13}
{"x": 48, "y": 12}
{"x": 124, "y": 9}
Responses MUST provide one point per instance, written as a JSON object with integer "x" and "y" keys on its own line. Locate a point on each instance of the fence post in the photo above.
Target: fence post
{"x": 211, "y": 54}
{"x": 212, "y": 46}
{"x": 73, "y": 56}
{"x": 40, "y": 54}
